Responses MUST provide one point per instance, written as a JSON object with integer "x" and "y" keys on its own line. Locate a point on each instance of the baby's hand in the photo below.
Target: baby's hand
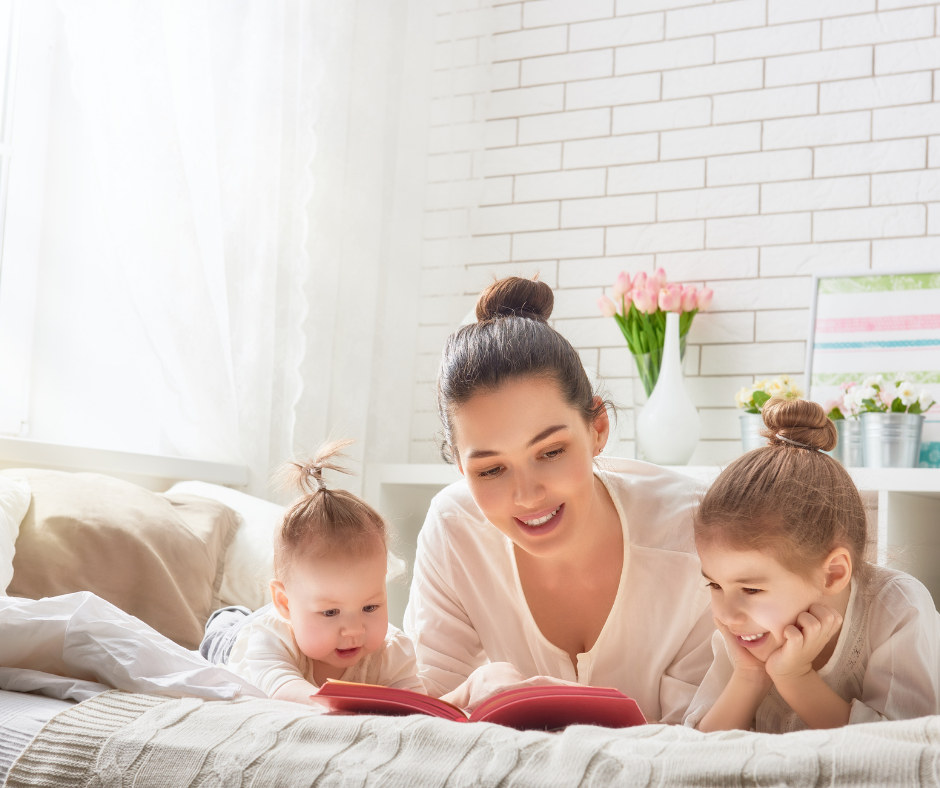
{"x": 746, "y": 664}
{"x": 813, "y": 630}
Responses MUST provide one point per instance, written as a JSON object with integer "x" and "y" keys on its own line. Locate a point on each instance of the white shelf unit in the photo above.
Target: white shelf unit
{"x": 903, "y": 505}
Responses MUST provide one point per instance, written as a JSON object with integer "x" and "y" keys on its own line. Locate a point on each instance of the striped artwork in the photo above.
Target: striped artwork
{"x": 878, "y": 324}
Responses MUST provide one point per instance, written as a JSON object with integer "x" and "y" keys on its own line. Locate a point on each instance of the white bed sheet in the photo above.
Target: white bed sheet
{"x": 21, "y": 717}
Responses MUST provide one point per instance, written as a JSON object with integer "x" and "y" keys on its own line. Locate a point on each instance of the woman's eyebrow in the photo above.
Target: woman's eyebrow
{"x": 546, "y": 432}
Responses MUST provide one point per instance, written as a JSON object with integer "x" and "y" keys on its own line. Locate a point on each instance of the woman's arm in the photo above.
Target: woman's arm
{"x": 447, "y": 646}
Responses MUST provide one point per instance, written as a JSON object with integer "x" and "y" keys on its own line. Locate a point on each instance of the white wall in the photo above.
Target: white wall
{"x": 743, "y": 144}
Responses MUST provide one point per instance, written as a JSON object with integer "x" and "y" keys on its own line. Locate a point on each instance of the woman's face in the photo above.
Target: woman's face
{"x": 528, "y": 456}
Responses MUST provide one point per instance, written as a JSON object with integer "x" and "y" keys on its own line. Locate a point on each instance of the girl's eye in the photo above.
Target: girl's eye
{"x": 370, "y": 608}
{"x": 331, "y": 613}
{"x": 492, "y": 473}
{"x": 751, "y": 591}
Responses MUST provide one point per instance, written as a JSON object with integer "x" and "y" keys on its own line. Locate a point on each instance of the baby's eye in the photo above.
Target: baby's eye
{"x": 492, "y": 473}
{"x": 370, "y": 608}
{"x": 330, "y": 613}
{"x": 751, "y": 591}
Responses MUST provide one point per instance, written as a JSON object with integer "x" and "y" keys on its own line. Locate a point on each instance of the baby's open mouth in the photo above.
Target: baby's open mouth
{"x": 347, "y": 653}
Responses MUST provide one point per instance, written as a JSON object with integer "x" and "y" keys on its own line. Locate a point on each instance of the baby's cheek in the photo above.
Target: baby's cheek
{"x": 314, "y": 638}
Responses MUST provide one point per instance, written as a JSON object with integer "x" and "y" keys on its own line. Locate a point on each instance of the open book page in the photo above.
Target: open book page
{"x": 524, "y": 708}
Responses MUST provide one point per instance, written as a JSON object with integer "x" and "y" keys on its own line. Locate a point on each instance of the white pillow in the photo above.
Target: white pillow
{"x": 249, "y": 562}
{"x": 14, "y": 501}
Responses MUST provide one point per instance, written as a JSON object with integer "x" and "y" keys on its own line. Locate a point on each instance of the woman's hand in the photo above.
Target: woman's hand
{"x": 492, "y": 678}
{"x": 803, "y": 642}
{"x": 746, "y": 665}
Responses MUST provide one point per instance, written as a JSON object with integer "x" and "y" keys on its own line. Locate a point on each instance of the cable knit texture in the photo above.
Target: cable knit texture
{"x": 119, "y": 739}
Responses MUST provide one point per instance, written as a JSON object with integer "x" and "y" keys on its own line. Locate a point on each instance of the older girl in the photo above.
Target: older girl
{"x": 809, "y": 634}
{"x": 543, "y": 556}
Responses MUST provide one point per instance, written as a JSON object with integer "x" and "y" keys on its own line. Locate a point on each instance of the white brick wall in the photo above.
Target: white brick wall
{"x": 742, "y": 144}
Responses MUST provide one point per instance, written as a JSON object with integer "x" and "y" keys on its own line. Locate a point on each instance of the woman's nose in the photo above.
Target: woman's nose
{"x": 529, "y": 491}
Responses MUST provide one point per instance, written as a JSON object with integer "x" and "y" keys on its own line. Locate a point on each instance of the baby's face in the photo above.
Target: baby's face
{"x": 755, "y": 596}
{"x": 338, "y": 607}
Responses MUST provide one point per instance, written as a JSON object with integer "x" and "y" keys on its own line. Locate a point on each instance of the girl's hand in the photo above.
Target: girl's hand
{"x": 746, "y": 665}
{"x": 803, "y": 642}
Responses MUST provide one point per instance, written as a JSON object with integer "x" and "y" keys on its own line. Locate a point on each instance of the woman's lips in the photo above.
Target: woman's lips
{"x": 348, "y": 653}
{"x": 751, "y": 643}
{"x": 544, "y": 528}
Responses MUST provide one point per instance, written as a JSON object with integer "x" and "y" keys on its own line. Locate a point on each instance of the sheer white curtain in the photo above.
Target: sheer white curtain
{"x": 200, "y": 117}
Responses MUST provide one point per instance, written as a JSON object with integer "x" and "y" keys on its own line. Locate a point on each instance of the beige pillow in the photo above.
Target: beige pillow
{"x": 158, "y": 557}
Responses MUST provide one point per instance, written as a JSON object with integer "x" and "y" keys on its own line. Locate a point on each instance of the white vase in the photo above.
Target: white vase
{"x": 668, "y": 427}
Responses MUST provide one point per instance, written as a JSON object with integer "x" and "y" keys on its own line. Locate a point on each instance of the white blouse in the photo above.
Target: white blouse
{"x": 266, "y": 654}
{"x": 467, "y": 606}
{"x": 886, "y": 662}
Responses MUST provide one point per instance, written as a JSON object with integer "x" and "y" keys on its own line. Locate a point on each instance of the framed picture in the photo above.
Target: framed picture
{"x": 877, "y": 323}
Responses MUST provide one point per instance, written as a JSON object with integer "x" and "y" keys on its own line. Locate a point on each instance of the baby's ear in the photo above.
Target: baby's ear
{"x": 280, "y": 600}
{"x": 837, "y": 571}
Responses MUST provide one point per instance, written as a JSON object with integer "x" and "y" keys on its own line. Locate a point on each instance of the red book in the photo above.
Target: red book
{"x": 526, "y": 708}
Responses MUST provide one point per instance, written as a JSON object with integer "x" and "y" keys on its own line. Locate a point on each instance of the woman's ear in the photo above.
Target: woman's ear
{"x": 837, "y": 571}
{"x": 279, "y": 598}
{"x": 600, "y": 426}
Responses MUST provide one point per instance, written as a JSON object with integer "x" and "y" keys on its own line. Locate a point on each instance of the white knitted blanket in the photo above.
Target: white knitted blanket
{"x": 122, "y": 739}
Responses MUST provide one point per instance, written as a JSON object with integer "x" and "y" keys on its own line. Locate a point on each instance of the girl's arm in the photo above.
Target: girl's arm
{"x": 791, "y": 669}
{"x": 745, "y": 685}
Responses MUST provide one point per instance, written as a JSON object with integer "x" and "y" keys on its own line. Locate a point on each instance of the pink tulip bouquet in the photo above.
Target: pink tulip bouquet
{"x": 640, "y": 306}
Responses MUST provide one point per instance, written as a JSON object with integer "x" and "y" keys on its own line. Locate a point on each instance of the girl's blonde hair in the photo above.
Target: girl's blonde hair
{"x": 324, "y": 521}
{"x": 788, "y": 498}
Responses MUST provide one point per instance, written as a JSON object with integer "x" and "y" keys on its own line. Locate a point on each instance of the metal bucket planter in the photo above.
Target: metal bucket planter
{"x": 892, "y": 440}
{"x": 751, "y": 425}
{"x": 850, "y": 450}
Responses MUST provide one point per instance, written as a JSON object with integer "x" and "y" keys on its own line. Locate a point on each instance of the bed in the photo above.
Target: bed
{"x": 99, "y": 686}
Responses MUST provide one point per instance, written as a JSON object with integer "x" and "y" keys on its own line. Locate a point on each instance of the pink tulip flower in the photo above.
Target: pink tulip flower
{"x": 608, "y": 308}
{"x": 704, "y": 298}
{"x": 661, "y": 276}
{"x": 689, "y": 299}
{"x": 670, "y": 299}
{"x": 622, "y": 285}
{"x": 645, "y": 300}
{"x": 639, "y": 283}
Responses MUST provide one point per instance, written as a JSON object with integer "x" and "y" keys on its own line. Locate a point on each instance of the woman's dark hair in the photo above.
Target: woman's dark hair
{"x": 510, "y": 340}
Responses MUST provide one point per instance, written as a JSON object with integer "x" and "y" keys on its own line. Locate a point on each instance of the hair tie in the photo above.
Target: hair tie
{"x": 315, "y": 473}
{"x": 796, "y": 443}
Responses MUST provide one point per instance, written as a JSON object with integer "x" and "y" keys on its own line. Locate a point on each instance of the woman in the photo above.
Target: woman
{"x": 541, "y": 556}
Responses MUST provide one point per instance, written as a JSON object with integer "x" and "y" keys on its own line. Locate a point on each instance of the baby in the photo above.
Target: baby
{"x": 810, "y": 635}
{"x": 328, "y": 618}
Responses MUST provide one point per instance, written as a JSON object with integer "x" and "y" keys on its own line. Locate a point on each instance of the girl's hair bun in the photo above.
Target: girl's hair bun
{"x": 800, "y": 421}
{"x": 516, "y": 297}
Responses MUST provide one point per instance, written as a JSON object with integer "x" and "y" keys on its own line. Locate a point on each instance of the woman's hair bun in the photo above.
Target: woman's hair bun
{"x": 514, "y": 296}
{"x": 800, "y": 421}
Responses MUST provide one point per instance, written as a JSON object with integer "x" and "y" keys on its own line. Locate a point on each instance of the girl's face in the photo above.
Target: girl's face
{"x": 336, "y": 606}
{"x": 528, "y": 456}
{"x": 755, "y": 597}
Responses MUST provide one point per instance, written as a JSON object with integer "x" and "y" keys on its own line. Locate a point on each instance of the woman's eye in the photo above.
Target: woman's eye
{"x": 492, "y": 473}
{"x": 370, "y": 608}
{"x": 751, "y": 591}
{"x": 331, "y": 613}
{"x": 713, "y": 586}
{"x": 553, "y": 453}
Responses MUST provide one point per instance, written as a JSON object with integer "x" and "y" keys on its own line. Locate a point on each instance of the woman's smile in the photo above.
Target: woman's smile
{"x": 543, "y": 522}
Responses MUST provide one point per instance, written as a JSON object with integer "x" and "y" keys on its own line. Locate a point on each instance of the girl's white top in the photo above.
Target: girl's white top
{"x": 467, "y": 606}
{"x": 266, "y": 654}
{"x": 886, "y": 662}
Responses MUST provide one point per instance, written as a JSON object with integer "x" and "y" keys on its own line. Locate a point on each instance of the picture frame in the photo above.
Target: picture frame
{"x": 868, "y": 323}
